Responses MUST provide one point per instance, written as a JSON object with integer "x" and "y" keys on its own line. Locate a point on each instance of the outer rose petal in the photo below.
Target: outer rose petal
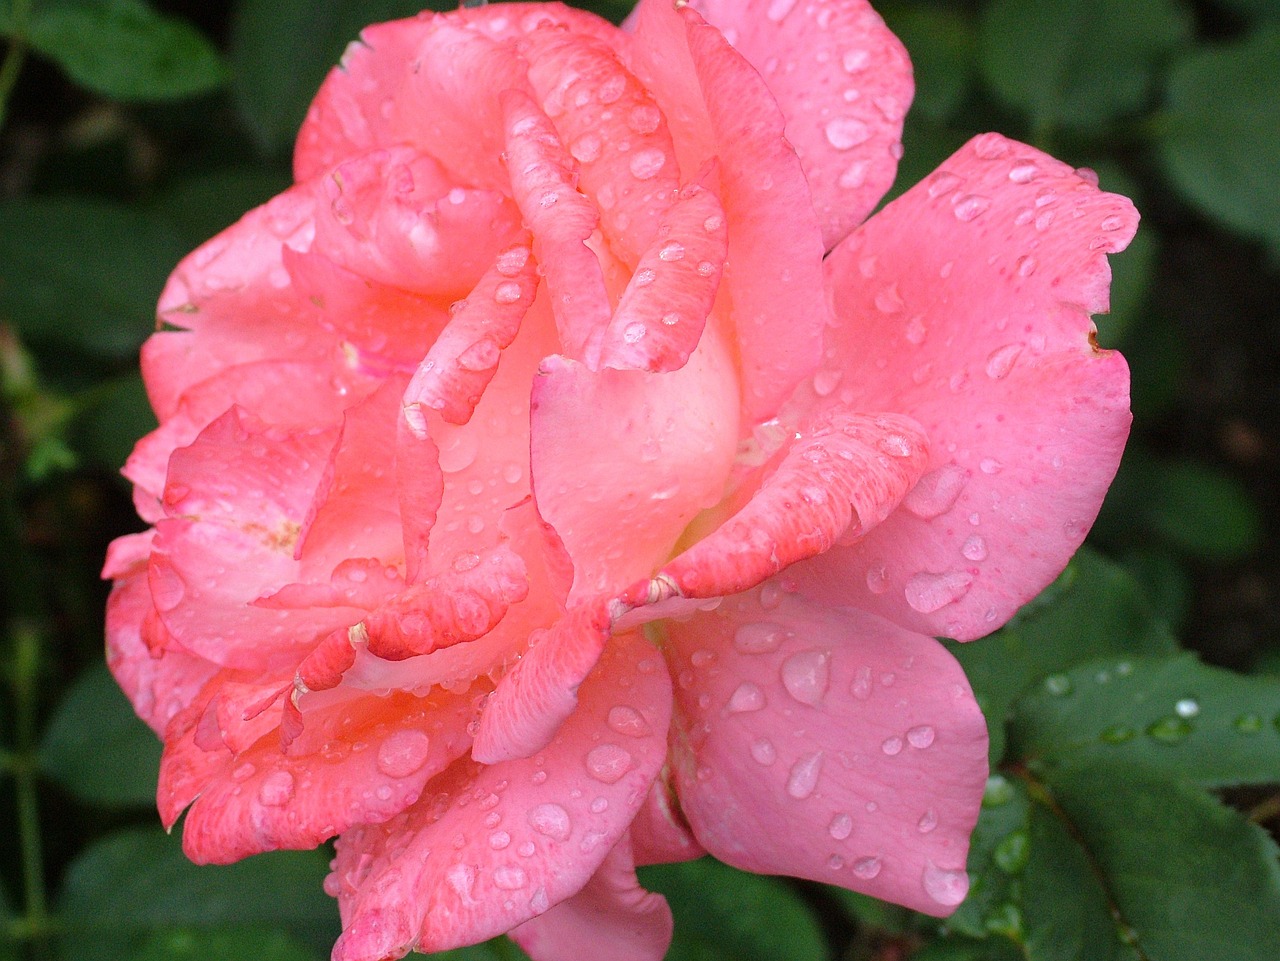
{"x": 965, "y": 305}
{"x": 501, "y": 844}
{"x": 612, "y": 909}
{"x": 843, "y": 81}
{"x": 863, "y": 738}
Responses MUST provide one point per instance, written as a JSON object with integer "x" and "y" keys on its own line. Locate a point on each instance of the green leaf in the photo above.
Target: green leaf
{"x": 1172, "y": 715}
{"x": 1189, "y": 878}
{"x": 98, "y": 749}
{"x": 723, "y": 914}
{"x": 1221, "y": 134}
{"x": 137, "y": 882}
{"x": 224, "y": 944}
{"x": 955, "y": 948}
{"x": 1202, "y": 512}
{"x": 1078, "y": 63}
{"x": 943, "y": 46}
{"x": 1094, "y": 608}
{"x": 282, "y": 49}
{"x": 83, "y": 274}
{"x": 106, "y": 430}
{"x": 125, "y": 50}
{"x": 204, "y": 204}
{"x": 1255, "y": 8}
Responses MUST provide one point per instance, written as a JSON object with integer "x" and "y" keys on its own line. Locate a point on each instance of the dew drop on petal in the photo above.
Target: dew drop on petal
{"x": 866, "y": 868}
{"x": 403, "y": 753}
{"x": 1001, "y": 360}
{"x": 552, "y": 820}
{"x": 778, "y": 9}
{"x": 763, "y": 751}
{"x": 806, "y": 675}
{"x": 508, "y": 877}
{"x": 946, "y": 887}
{"x": 936, "y": 492}
{"x": 928, "y": 821}
{"x": 633, "y": 333}
{"x": 845, "y": 133}
{"x": 672, "y": 251}
{"x": 877, "y": 579}
{"x": 861, "y": 687}
{"x": 841, "y": 827}
{"x": 499, "y": 840}
{"x": 747, "y": 697}
{"x": 921, "y": 736}
{"x": 607, "y": 763}
{"x": 970, "y": 207}
{"x": 927, "y": 592}
{"x": 626, "y": 720}
{"x": 645, "y": 164}
{"x": 803, "y": 778}
{"x": 276, "y": 789}
{"x": 892, "y": 746}
{"x": 974, "y": 548}
{"x": 761, "y": 637}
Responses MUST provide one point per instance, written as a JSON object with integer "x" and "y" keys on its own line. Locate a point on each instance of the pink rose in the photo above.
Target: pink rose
{"x": 562, "y": 476}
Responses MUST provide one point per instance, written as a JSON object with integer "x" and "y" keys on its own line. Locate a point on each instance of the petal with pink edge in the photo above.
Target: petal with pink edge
{"x": 861, "y": 737}
{"x": 843, "y": 82}
{"x": 494, "y": 846}
{"x": 965, "y": 305}
{"x": 613, "y": 908}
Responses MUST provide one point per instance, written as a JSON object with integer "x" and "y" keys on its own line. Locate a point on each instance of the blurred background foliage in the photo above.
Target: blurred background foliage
{"x": 1134, "y": 707}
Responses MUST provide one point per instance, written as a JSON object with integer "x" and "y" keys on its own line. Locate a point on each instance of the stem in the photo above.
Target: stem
{"x": 26, "y": 670}
{"x": 16, "y": 56}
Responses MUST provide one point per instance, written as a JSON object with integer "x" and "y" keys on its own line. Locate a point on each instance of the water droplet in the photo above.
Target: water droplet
{"x": 877, "y": 580}
{"x": 892, "y": 746}
{"x": 942, "y": 183}
{"x": 671, "y": 319}
{"x": 921, "y": 736}
{"x": 1114, "y": 222}
{"x": 1170, "y": 730}
{"x": 633, "y": 333}
{"x": 509, "y": 877}
{"x": 1187, "y": 707}
{"x": 867, "y": 868}
{"x": 644, "y": 277}
{"x": 778, "y": 9}
{"x": 747, "y": 697}
{"x": 861, "y": 687}
{"x": 845, "y": 133}
{"x": 974, "y": 548}
{"x": 970, "y": 207}
{"x": 403, "y": 753}
{"x": 928, "y": 821}
{"x": 1248, "y": 724}
{"x": 706, "y": 268}
{"x": 1058, "y": 685}
{"x": 548, "y": 199}
{"x": 586, "y": 148}
{"x": 1023, "y": 173}
{"x": 936, "y": 492}
{"x": 998, "y": 792}
{"x": 167, "y": 587}
{"x": 607, "y": 763}
{"x": 499, "y": 840}
{"x": 672, "y": 251}
{"x": 914, "y": 331}
{"x": 989, "y": 465}
{"x": 627, "y": 721}
{"x": 806, "y": 675}
{"x": 243, "y": 772}
{"x": 826, "y": 381}
{"x": 551, "y": 820}
{"x": 612, "y": 89}
{"x": 1026, "y": 266}
{"x": 1117, "y": 734}
{"x": 644, "y": 118}
{"x": 761, "y": 637}
{"x": 841, "y": 827}
{"x": 946, "y": 887}
{"x": 1001, "y": 360}
{"x": 804, "y": 776}
{"x": 646, "y": 163}
{"x": 990, "y": 146}
{"x": 1013, "y": 852}
{"x": 855, "y": 60}
{"x": 763, "y": 751}
{"x": 895, "y": 445}
{"x": 928, "y": 592}
{"x": 854, "y": 176}
{"x": 276, "y": 789}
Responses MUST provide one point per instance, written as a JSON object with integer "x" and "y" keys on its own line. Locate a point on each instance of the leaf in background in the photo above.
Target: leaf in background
{"x": 943, "y": 45}
{"x": 723, "y": 914}
{"x": 1255, "y": 8}
{"x": 97, "y": 748}
{"x": 82, "y": 273}
{"x": 1191, "y": 879}
{"x": 203, "y": 204}
{"x": 106, "y": 430}
{"x": 224, "y": 944}
{"x": 1095, "y": 608}
{"x": 126, "y": 50}
{"x": 498, "y": 949}
{"x": 1171, "y": 715}
{"x": 282, "y": 49}
{"x": 137, "y": 884}
{"x": 1221, "y": 135}
{"x": 1101, "y": 67}
{"x": 1201, "y": 511}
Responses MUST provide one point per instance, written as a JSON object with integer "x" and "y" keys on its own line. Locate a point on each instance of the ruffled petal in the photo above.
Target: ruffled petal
{"x": 495, "y": 846}
{"x": 612, "y": 909}
{"x": 861, "y": 737}
{"x": 965, "y": 306}
{"x": 843, "y": 82}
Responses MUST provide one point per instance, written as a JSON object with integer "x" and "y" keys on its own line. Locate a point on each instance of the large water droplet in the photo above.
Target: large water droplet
{"x": 867, "y": 868}
{"x": 507, "y": 292}
{"x": 970, "y": 207}
{"x": 509, "y": 877}
{"x": 936, "y": 492}
{"x": 672, "y": 251}
{"x": 804, "y": 776}
{"x": 551, "y": 820}
{"x": 892, "y": 746}
{"x": 1170, "y": 730}
{"x": 627, "y": 721}
{"x": 928, "y": 821}
{"x": 974, "y": 548}
{"x": 403, "y": 753}
{"x": 861, "y": 687}
{"x": 763, "y": 751}
{"x": 747, "y": 697}
{"x": 877, "y": 579}
{"x": 845, "y": 133}
{"x": 761, "y": 637}
{"x": 921, "y": 736}
{"x": 1058, "y": 685}
{"x": 645, "y": 164}
{"x": 276, "y": 789}
{"x": 607, "y": 763}
{"x": 167, "y": 587}
{"x": 806, "y": 675}
{"x": 1001, "y": 360}
{"x": 947, "y": 887}
{"x": 927, "y": 592}
{"x": 841, "y": 827}
{"x": 1187, "y": 707}
{"x": 941, "y": 183}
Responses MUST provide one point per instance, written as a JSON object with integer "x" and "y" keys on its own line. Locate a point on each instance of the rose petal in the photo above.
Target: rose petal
{"x": 620, "y": 497}
{"x": 843, "y": 82}
{"x": 660, "y": 834}
{"x": 975, "y": 289}
{"x": 863, "y": 738}
{"x": 498, "y": 845}
{"x": 613, "y": 908}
